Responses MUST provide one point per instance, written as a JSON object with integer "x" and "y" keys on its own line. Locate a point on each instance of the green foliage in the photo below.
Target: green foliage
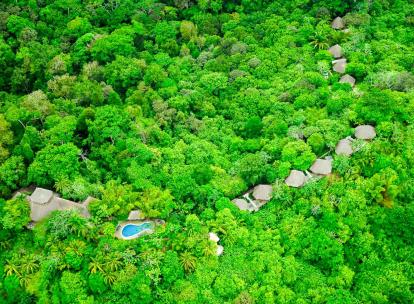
{"x": 54, "y": 163}
{"x": 299, "y": 154}
{"x": 105, "y": 48}
{"x": 6, "y": 137}
{"x": 123, "y": 73}
{"x": 15, "y": 213}
{"x": 175, "y": 108}
{"x": 12, "y": 174}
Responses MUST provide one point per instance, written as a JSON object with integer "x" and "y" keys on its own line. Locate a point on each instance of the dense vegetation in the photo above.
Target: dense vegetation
{"x": 175, "y": 108}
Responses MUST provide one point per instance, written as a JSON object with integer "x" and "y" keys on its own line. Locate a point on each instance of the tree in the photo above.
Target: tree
{"x": 110, "y": 123}
{"x": 37, "y": 104}
{"x": 73, "y": 288}
{"x": 15, "y": 213}
{"x": 54, "y": 163}
{"x": 105, "y": 48}
{"x": 299, "y": 154}
{"x": 7, "y": 58}
{"x": 253, "y": 127}
{"x": 188, "y": 30}
{"x": 6, "y": 138}
{"x": 124, "y": 73}
{"x": 78, "y": 27}
{"x": 156, "y": 203}
{"x": 214, "y": 82}
{"x": 12, "y": 175}
{"x": 188, "y": 261}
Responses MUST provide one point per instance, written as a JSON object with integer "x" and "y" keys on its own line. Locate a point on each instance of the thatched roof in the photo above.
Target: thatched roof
{"x": 262, "y": 192}
{"x": 43, "y": 202}
{"x": 339, "y": 65}
{"x": 365, "y": 132}
{"x": 336, "y": 51}
{"x": 344, "y": 147}
{"x": 347, "y": 79}
{"x": 213, "y": 237}
{"x": 338, "y": 23}
{"x": 241, "y": 203}
{"x": 295, "y": 179}
{"x": 220, "y": 250}
{"x": 41, "y": 196}
{"x": 322, "y": 166}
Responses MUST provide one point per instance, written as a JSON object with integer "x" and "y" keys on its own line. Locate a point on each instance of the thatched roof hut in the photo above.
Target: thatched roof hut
{"x": 336, "y": 51}
{"x": 295, "y": 179}
{"x": 339, "y": 65}
{"x": 344, "y": 147}
{"x": 322, "y": 166}
{"x": 262, "y": 192}
{"x": 365, "y": 132}
{"x": 347, "y": 79}
{"x": 338, "y": 23}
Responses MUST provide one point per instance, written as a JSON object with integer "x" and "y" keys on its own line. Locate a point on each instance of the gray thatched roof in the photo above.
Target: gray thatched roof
{"x": 347, "y": 79}
{"x": 322, "y": 166}
{"x": 344, "y": 147}
{"x": 262, "y": 192}
{"x": 339, "y": 65}
{"x": 336, "y": 51}
{"x": 241, "y": 203}
{"x": 41, "y": 196}
{"x": 338, "y": 23}
{"x": 295, "y": 179}
{"x": 365, "y": 132}
{"x": 43, "y": 202}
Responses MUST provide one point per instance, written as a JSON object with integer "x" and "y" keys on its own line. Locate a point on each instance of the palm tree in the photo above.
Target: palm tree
{"x": 62, "y": 184}
{"x": 109, "y": 277}
{"x": 11, "y": 268}
{"x": 95, "y": 265}
{"x": 114, "y": 262}
{"x": 30, "y": 265}
{"x": 209, "y": 248}
{"x": 188, "y": 261}
{"x": 319, "y": 40}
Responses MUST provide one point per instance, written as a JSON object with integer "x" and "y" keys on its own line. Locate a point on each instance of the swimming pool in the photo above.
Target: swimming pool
{"x": 131, "y": 230}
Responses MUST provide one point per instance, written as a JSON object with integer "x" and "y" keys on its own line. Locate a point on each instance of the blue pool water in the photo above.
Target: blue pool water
{"x": 133, "y": 229}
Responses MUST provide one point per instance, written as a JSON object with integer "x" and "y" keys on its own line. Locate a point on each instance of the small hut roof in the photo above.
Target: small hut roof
{"x": 295, "y": 179}
{"x": 40, "y": 211}
{"x": 262, "y": 192}
{"x": 365, "y": 132}
{"x": 322, "y": 166}
{"x": 339, "y": 65}
{"x": 336, "y": 51}
{"x": 241, "y": 203}
{"x": 338, "y": 23}
{"x": 220, "y": 250}
{"x": 41, "y": 196}
{"x": 344, "y": 147}
{"x": 213, "y": 237}
{"x": 64, "y": 204}
{"x": 347, "y": 79}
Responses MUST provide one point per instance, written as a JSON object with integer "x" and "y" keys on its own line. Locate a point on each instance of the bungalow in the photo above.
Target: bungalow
{"x": 43, "y": 202}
